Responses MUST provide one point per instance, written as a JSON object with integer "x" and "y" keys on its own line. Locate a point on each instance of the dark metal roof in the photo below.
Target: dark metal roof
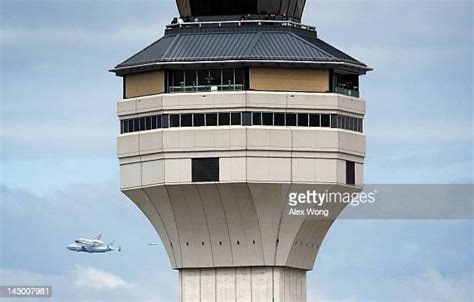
{"x": 247, "y": 44}
{"x": 290, "y": 8}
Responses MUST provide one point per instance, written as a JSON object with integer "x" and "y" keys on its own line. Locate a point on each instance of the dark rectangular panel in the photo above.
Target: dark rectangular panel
{"x": 205, "y": 169}
{"x": 350, "y": 172}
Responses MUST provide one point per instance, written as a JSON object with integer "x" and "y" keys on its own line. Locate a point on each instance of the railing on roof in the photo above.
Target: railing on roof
{"x": 206, "y": 88}
{"x": 286, "y": 23}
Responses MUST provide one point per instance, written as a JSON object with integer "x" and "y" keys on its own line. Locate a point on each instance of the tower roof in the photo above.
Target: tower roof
{"x": 250, "y": 43}
{"x": 289, "y": 8}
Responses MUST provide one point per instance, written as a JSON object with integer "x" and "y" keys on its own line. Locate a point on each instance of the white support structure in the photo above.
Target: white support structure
{"x": 243, "y": 284}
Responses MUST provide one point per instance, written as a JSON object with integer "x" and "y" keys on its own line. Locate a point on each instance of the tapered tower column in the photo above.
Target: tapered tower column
{"x": 222, "y": 121}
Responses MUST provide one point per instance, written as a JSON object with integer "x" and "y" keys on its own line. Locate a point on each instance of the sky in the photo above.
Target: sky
{"x": 59, "y": 175}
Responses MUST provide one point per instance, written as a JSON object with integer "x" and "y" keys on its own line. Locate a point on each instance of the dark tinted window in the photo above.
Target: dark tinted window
{"x": 302, "y": 120}
{"x": 186, "y": 120}
{"x": 279, "y": 119}
{"x": 291, "y": 119}
{"x": 350, "y": 172}
{"x": 154, "y": 123}
{"x": 314, "y": 120}
{"x": 246, "y": 119}
{"x": 257, "y": 118}
{"x": 198, "y": 119}
{"x": 325, "y": 120}
{"x": 334, "y": 121}
{"x": 174, "y": 120}
{"x": 165, "y": 121}
{"x": 224, "y": 119}
{"x": 235, "y": 118}
{"x": 211, "y": 119}
{"x": 267, "y": 119}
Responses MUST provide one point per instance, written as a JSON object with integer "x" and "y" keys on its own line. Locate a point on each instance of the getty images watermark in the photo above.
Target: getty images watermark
{"x": 315, "y": 203}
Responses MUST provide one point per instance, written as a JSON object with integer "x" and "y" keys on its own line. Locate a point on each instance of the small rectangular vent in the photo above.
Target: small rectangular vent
{"x": 350, "y": 173}
{"x": 205, "y": 169}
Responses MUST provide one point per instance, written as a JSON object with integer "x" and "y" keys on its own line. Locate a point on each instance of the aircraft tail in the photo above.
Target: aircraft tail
{"x": 98, "y": 237}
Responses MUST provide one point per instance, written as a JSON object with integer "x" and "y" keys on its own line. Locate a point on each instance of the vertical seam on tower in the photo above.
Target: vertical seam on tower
{"x": 177, "y": 229}
{"x": 227, "y": 224}
{"x": 207, "y": 224}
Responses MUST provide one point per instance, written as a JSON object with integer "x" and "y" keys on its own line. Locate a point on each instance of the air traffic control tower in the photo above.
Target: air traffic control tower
{"x": 236, "y": 105}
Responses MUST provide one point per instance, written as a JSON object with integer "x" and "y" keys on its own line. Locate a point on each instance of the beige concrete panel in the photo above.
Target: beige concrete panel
{"x": 167, "y": 243}
{"x": 238, "y": 244}
{"x": 266, "y": 99}
{"x": 171, "y": 139}
{"x": 146, "y": 83}
{"x": 194, "y": 205}
{"x": 303, "y": 170}
{"x": 221, "y": 137}
{"x": 245, "y": 203}
{"x": 159, "y": 196}
{"x": 188, "y": 244}
{"x": 220, "y": 240}
{"x": 325, "y": 170}
{"x": 326, "y": 139}
{"x": 260, "y": 289}
{"x": 303, "y": 139}
{"x": 254, "y": 244}
{"x": 353, "y": 142}
{"x": 289, "y": 79}
{"x": 176, "y": 245}
{"x": 286, "y": 236}
{"x": 351, "y": 104}
{"x": 280, "y": 139}
{"x": 171, "y": 101}
{"x": 341, "y": 171}
{"x": 279, "y": 169}
{"x": 179, "y": 205}
{"x": 127, "y": 145}
{"x": 141, "y": 200}
{"x": 208, "y": 285}
{"x": 230, "y": 203}
{"x": 203, "y": 248}
{"x": 130, "y": 176}
{"x": 211, "y": 202}
{"x": 153, "y": 172}
{"x": 238, "y": 138}
{"x": 150, "y": 103}
{"x": 258, "y": 169}
{"x": 125, "y": 107}
{"x": 151, "y": 141}
{"x": 258, "y": 137}
{"x": 186, "y": 139}
{"x": 203, "y": 139}
{"x": 225, "y": 287}
{"x": 243, "y": 284}
{"x": 359, "y": 174}
{"x": 177, "y": 171}
{"x": 190, "y": 285}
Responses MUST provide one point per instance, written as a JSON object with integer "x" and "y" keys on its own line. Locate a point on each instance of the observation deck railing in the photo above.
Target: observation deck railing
{"x": 287, "y": 23}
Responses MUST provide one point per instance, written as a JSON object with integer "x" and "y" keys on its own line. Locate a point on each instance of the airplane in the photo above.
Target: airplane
{"x": 92, "y": 246}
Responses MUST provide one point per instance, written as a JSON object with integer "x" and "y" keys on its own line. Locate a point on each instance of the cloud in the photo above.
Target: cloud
{"x": 88, "y": 277}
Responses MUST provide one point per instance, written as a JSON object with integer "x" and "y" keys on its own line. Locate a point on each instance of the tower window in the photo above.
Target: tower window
{"x": 246, "y": 119}
{"x": 291, "y": 119}
{"x": 198, "y": 119}
{"x": 224, "y": 119}
{"x": 186, "y": 120}
{"x": 279, "y": 119}
{"x": 205, "y": 169}
{"x": 325, "y": 120}
{"x": 303, "y": 120}
{"x": 350, "y": 172}
{"x": 174, "y": 120}
{"x": 267, "y": 119}
{"x": 314, "y": 120}
{"x": 235, "y": 118}
{"x": 211, "y": 119}
{"x": 257, "y": 118}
